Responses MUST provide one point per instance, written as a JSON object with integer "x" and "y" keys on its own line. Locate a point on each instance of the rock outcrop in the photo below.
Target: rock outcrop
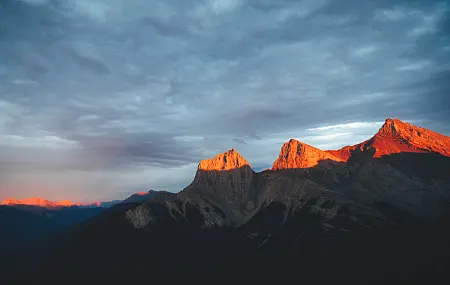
{"x": 225, "y": 161}
{"x": 228, "y": 170}
{"x": 295, "y": 154}
{"x": 228, "y": 178}
{"x": 396, "y": 136}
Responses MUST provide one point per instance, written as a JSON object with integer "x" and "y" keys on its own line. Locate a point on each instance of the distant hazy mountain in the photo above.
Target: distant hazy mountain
{"x": 28, "y": 220}
{"x": 25, "y": 223}
{"x": 375, "y": 212}
{"x": 142, "y": 196}
{"x": 38, "y": 202}
{"x": 42, "y": 203}
{"x": 100, "y": 204}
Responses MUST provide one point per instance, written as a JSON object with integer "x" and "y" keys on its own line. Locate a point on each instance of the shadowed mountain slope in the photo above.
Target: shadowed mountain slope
{"x": 142, "y": 196}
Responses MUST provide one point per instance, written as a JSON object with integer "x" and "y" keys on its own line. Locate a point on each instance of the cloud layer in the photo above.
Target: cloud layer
{"x": 104, "y": 97}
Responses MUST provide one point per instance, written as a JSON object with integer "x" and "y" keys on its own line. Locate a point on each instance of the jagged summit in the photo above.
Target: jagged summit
{"x": 398, "y": 128}
{"x": 391, "y": 126}
{"x": 225, "y": 161}
{"x": 295, "y": 154}
{"x": 421, "y": 138}
{"x": 396, "y": 136}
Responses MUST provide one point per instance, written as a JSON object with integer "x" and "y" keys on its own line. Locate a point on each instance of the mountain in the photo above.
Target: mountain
{"x": 29, "y": 220}
{"x": 226, "y": 161}
{"x": 42, "y": 203}
{"x": 38, "y": 202}
{"x": 142, "y": 196}
{"x": 26, "y": 223}
{"x": 295, "y": 154}
{"x": 372, "y": 213}
{"x": 99, "y": 204}
{"x": 396, "y": 136}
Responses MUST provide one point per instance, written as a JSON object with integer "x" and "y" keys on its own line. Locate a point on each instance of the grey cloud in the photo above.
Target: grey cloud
{"x": 240, "y": 141}
{"x": 88, "y": 63}
{"x": 125, "y": 80}
{"x": 162, "y": 28}
{"x": 153, "y": 148}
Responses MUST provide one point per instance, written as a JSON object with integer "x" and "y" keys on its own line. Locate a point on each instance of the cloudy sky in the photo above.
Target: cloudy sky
{"x": 103, "y": 98}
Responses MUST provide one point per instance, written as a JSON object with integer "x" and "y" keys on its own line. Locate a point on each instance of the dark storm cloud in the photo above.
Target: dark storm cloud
{"x": 108, "y": 85}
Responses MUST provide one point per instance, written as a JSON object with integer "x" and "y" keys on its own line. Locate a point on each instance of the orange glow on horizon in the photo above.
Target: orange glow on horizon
{"x": 39, "y": 202}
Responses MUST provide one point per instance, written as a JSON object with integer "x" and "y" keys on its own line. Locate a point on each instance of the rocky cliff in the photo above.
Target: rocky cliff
{"x": 295, "y": 154}
{"x": 396, "y": 136}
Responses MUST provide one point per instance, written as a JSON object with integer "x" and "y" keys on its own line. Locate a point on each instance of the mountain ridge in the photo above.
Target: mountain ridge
{"x": 228, "y": 160}
{"x": 142, "y": 196}
{"x": 361, "y": 215}
{"x": 295, "y": 154}
{"x": 43, "y": 203}
{"x": 396, "y": 136}
{"x": 38, "y": 202}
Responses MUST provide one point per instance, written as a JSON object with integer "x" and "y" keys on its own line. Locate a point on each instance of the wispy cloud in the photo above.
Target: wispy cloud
{"x": 364, "y": 51}
{"x": 396, "y": 13}
{"x": 91, "y": 90}
{"x": 354, "y": 125}
{"x": 414, "y": 66}
{"x": 328, "y": 136}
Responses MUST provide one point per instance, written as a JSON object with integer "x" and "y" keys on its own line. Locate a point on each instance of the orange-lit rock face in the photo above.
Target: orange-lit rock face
{"x": 10, "y": 201}
{"x": 38, "y": 202}
{"x": 66, "y": 203}
{"x": 417, "y": 138}
{"x": 225, "y": 161}
{"x": 228, "y": 175}
{"x": 295, "y": 154}
{"x": 343, "y": 153}
{"x": 396, "y": 136}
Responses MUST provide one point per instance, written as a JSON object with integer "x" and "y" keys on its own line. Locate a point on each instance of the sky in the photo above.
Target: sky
{"x": 103, "y": 98}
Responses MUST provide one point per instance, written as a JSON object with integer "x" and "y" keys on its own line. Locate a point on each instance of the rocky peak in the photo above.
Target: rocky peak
{"x": 295, "y": 154}
{"x": 408, "y": 137}
{"x": 222, "y": 162}
{"x": 227, "y": 175}
{"x": 394, "y": 127}
{"x": 396, "y": 136}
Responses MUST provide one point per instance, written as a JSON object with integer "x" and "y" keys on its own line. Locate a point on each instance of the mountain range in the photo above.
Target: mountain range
{"x": 377, "y": 211}
{"x": 27, "y": 220}
{"x": 39, "y": 202}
